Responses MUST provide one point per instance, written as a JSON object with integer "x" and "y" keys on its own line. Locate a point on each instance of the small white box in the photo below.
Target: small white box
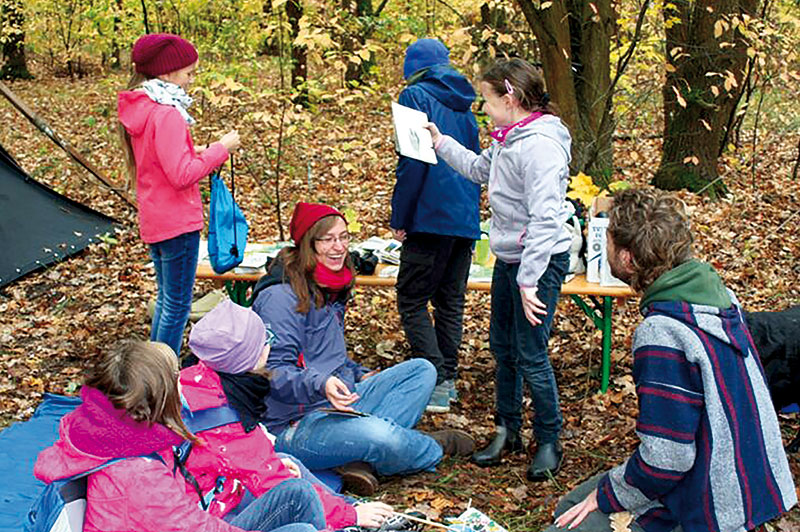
{"x": 595, "y": 248}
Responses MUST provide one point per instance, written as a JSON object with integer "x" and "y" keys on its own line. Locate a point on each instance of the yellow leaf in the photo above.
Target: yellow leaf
{"x": 691, "y": 160}
{"x": 620, "y": 521}
{"x": 582, "y": 189}
{"x": 440, "y": 503}
{"x": 545, "y": 5}
{"x": 669, "y": 68}
{"x": 363, "y": 54}
{"x": 714, "y": 90}
{"x": 705, "y": 124}
{"x": 678, "y": 96}
{"x": 719, "y": 28}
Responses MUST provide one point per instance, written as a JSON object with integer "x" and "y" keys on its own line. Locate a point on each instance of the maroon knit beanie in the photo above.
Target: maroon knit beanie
{"x": 306, "y": 215}
{"x": 155, "y": 54}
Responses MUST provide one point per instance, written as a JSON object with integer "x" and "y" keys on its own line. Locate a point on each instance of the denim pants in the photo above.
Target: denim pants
{"x": 395, "y": 399}
{"x": 291, "y": 506}
{"x": 520, "y": 349}
{"x": 175, "y": 261}
{"x": 434, "y": 268}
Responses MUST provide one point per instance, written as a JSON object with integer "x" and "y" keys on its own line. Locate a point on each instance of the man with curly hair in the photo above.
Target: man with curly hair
{"x": 710, "y": 455}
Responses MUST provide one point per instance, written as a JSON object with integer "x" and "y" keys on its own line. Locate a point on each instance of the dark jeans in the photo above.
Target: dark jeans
{"x": 175, "y": 261}
{"x": 291, "y": 506}
{"x": 434, "y": 268}
{"x": 520, "y": 349}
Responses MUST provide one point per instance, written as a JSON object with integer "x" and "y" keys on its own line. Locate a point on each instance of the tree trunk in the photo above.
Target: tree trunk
{"x": 294, "y": 12}
{"x": 358, "y": 29}
{"x": 574, "y": 39}
{"x": 705, "y": 77}
{"x": 12, "y": 18}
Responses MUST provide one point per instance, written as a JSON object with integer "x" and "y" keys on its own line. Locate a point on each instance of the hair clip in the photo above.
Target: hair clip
{"x": 509, "y": 88}
{"x": 545, "y": 99}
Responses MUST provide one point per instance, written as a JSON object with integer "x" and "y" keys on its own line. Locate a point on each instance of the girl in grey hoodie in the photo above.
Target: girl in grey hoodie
{"x": 527, "y": 172}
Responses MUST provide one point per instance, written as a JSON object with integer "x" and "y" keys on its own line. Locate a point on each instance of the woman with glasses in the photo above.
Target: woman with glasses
{"x": 324, "y": 408}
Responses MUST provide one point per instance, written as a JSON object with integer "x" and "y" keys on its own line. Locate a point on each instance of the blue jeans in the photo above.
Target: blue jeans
{"x": 395, "y": 399}
{"x": 175, "y": 261}
{"x": 291, "y": 506}
{"x": 520, "y": 349}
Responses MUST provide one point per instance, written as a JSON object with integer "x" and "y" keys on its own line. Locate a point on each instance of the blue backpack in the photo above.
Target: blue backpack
{"x": 227, "y": 227}
{"x": 62, "y": 505}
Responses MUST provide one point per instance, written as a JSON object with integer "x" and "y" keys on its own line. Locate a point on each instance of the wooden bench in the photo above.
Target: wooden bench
{"x": 599, "y": 307}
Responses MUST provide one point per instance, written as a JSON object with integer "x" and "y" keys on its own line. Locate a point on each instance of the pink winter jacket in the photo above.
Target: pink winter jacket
{"x": 246, "y": 457}
{"x": 134, "y": 495}
{"x": 168, "y": 169}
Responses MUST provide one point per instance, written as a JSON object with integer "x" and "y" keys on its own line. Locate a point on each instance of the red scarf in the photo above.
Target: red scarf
{"x": 500, "y": 134}
{"x": 333, "y": 280}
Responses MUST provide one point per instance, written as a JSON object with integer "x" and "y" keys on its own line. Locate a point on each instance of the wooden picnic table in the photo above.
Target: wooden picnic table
{"x": 598, "y": 305}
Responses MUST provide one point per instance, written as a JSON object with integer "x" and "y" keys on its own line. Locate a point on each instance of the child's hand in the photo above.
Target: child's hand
{"x": 532, "y": 305}
{"x": 373, "y": 514}
{"x": 292, "y": 467}
{"x": 436, "y": 135}
{"x": 230, "y": 140}
{"x": 398, "y": 234}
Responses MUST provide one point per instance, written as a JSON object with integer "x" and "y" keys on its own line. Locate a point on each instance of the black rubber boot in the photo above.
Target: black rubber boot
{"x": 492, "y": 454}
{"x": 546, "y": 462}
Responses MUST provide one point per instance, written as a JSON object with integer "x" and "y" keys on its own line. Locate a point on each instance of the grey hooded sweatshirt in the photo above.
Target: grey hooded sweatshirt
{"x": 527, "y": 176}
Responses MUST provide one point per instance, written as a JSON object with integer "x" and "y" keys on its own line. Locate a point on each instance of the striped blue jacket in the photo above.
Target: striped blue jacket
{"x": 710, "y": 455}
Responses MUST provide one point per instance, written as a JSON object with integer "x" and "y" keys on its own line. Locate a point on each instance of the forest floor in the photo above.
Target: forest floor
{"x": 55, "y": 322}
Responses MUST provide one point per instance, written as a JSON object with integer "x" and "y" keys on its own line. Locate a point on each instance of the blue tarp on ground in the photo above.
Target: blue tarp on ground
{"x": 20, "y": 444}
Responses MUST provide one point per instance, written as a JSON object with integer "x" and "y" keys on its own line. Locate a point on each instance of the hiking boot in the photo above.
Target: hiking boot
{"x": 492, "y": 454}
{"x": 439, "y": 401}
{"x": 546, "y": 462}
{"x": 454, "y": 442}
{"x": 358, "y": 478}
{"x": 452, "y": 392}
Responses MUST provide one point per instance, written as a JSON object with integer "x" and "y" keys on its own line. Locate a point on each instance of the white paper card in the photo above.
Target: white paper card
{"x": 411, "y": 137}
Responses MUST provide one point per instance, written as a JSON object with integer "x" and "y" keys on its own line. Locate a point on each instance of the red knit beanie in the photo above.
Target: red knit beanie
{"x": 307, "y": 214}
{"x": 155, "y": 54}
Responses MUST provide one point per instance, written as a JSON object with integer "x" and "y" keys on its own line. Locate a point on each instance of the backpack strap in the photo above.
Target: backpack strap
{"x": 209, "y": 418}
{"x": 152, "y": 456}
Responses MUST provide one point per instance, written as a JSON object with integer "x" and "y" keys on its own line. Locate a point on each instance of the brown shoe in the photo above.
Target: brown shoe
{"x": 358, "y": 478}
{"x": 454, "y": 442}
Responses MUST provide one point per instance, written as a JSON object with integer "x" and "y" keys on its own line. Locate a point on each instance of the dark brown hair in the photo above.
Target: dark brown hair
{"x": 142, "y": 379}
{"x": 299, "y": 262}
{"x": 526, "y": 83}
{"x": 654, "y": 227}
{"x": 125, "y": 139}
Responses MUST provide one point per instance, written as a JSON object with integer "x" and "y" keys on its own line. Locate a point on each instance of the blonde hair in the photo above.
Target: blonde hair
{"x": 142, "y": 378}
{"x": 654, "y": 227}
{"x": 125, "y": 139}
{"x": 299, "y": 262}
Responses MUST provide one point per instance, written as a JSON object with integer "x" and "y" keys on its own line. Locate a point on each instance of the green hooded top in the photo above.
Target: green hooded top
{"x": 693, "y": 281}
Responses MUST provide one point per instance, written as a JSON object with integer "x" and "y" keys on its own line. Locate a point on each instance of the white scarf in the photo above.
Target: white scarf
{"x": 167, "y": 93}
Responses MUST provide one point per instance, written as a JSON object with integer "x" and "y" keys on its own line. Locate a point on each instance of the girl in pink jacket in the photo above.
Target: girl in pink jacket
{"x": 167, "y": 168}
{"x": 238, "y": 456}
{"x": 131, "y": 411}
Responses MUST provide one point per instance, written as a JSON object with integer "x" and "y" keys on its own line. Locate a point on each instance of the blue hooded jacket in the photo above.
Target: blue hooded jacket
{"x": 435, "y": 198}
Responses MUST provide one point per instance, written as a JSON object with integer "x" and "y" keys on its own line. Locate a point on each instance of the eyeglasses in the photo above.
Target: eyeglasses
{"x": 270, "y": 338}
{"x": 328, "y": 241}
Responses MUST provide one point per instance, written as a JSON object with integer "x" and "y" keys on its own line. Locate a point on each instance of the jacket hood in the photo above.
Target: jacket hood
{"x": 273, "y": 276}
{"x": 693, "y": 281}
{"x": 549, "y": 126}
{"x": 693, "y": 294}
{"x": 95, "y": 433}
{"x": 446, "y": 85}
{"x": 133, "y": 109}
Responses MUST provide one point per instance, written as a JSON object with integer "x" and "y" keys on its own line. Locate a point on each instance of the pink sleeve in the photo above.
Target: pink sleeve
{"x": 182, "y": 166}
{"x": 338, "y": 512}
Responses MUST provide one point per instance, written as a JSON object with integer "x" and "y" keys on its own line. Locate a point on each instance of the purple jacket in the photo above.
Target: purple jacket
{"x": 308, "y": 349}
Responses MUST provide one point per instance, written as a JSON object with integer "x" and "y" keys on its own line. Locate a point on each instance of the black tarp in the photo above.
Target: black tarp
{"x": 39, "y": 226}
